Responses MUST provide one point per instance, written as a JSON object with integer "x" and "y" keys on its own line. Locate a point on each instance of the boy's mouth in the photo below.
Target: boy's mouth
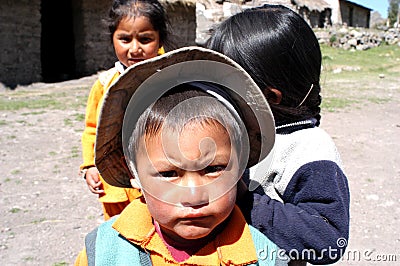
{"x": 201, "y": 221}
{"x": 194, "y": 215}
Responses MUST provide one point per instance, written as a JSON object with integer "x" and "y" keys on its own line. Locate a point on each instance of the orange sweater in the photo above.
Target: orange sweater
{"x": 233, "y": 246}
{"x": 95, "y": 100}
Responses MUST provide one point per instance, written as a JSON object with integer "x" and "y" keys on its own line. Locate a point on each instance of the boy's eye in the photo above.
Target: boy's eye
{"x": 168, "y": 174}
{"x": 214, "y": 169}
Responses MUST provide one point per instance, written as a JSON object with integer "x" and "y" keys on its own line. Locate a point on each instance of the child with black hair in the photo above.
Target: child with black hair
{"x": 138, "y": 31}
{"x": 182, "y": 128}
{"x": 303, "y": 201}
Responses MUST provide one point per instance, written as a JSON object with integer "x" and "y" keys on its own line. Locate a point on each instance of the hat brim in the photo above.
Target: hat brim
{"x": 143, "y": 83}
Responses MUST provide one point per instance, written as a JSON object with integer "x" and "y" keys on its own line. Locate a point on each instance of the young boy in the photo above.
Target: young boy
{"x": 188, "y": 128}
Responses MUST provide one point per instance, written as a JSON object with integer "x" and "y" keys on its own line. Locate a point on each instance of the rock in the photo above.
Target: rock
{"x": 352, "y": 42}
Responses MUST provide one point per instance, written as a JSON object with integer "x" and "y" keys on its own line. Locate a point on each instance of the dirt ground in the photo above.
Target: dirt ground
{"x": 46, "y": 209}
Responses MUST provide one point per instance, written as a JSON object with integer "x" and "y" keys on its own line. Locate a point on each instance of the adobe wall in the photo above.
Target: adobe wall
{"x": 360, "y": 16}
{"x": 93, "y": 48}
{"x": 21, "y": 37}
{"x": 20, "y": 41}
{"x": 182, "y": 17}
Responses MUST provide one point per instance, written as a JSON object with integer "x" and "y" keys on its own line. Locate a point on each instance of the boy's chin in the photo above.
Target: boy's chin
{"x": 193, "y": 233}
{"x": 197, "y": 234}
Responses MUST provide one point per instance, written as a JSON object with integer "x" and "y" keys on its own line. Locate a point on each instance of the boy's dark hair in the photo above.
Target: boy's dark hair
{"x": 279, "y": 50}
{"x": 184, "y": 104}
{"x": 151, "y": 9}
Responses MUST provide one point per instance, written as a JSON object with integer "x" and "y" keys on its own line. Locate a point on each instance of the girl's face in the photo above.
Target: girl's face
{"x": 135, "y": 40}
{"x": 191, "y": 160}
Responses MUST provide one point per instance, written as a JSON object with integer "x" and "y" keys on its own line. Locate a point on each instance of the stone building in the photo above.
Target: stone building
{"x": 316, "y": 12}
{"x": 55, "y": 40}
{"x": 321, "y": 13}
{"x": 354, "y": 15}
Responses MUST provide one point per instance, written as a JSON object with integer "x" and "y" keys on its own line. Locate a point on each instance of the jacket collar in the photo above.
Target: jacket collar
{"x": 233, "y": 246}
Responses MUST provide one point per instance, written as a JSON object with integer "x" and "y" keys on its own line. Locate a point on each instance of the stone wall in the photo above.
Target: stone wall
{"x": 25, "y": 58}
{"x": 350, "y": 38}
{"x": 93, "y": 47}
{"x": 182, "y": 16}
{"x": 20, "y": 41}
{"x": 353, "y": 15}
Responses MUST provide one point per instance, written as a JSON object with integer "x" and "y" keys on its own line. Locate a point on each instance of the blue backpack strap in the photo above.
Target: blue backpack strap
{"x": 105, "y": 246}
{"x": 90, "y": 244}
{"x": 145, "y": 259}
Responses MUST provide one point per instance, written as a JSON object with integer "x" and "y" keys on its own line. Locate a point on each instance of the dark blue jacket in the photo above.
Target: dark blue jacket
{"x": 302, "y": 199}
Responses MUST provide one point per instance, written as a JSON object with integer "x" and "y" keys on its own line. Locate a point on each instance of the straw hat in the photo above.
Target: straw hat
{"x": 143, "y": 83}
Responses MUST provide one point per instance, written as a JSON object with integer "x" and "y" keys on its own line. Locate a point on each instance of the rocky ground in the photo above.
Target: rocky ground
{"x": 46, "y": 209}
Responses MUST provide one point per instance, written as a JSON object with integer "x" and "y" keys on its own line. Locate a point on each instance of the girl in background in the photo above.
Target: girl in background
{"x": 138, "y": 30}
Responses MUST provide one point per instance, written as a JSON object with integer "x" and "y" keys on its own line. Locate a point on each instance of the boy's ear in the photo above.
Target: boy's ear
{"x": 274, "y": 96}
{"x": 135, "y": 183}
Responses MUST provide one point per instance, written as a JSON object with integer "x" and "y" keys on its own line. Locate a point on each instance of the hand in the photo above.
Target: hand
{"x": 93, "y": 181}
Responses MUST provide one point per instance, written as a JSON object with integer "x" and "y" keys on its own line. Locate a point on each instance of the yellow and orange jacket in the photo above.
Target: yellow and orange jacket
{"x": 235, "y": 245}
{"x": 95, "y": 100}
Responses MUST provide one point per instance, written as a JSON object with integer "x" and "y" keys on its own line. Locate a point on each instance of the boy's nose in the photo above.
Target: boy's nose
{"x": 195, "y": 191}
{"x": 196, "y": 197}
{"x": 191, "y": 179}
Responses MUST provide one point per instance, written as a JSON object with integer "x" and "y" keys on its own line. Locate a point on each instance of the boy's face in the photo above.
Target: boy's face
{"x": 189, "y": 160}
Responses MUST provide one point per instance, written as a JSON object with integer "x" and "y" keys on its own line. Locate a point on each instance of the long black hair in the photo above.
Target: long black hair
{"x": 279, "y": 50}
